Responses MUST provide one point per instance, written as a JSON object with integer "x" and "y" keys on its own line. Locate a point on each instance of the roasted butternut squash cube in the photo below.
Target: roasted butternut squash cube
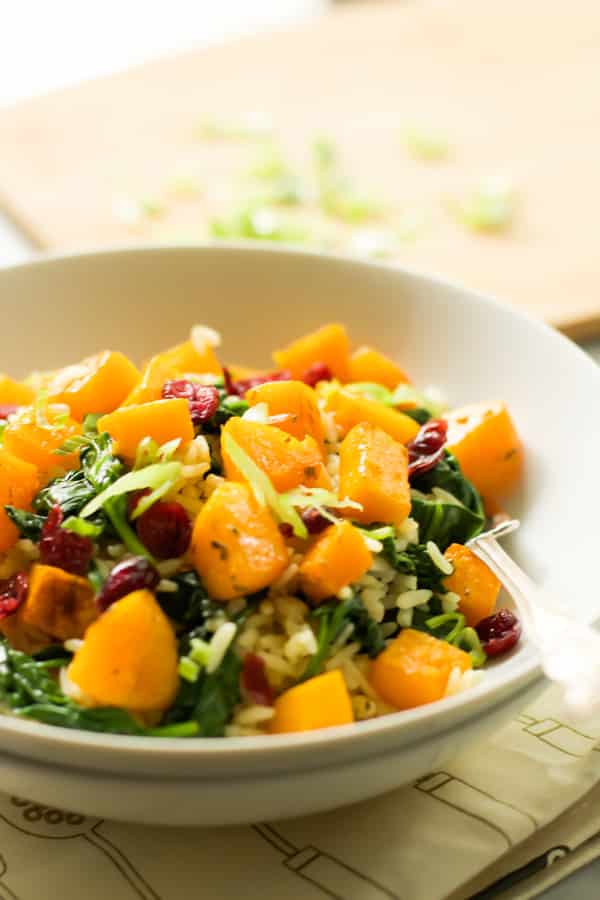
{"x": 367, "y": 364}
{"x": 475, "y": 584}
{"x": 287, "y": 461}
{"x": 161, "y": 420}
{"x": 19, "y": 483}
{"x": 36, "y": 439}
{"x": 329, "y": 345}
{"x": 236, "y": 546}
{"x": 26, "y": 638}
{"x": 349, "y": 410}
{"x": 172, "y": 364}
{"x": 15, "y": 392}
{"x": 485, "y": 442}
{"x": 295, "y": 400}
{"x": 414, "y": 669}
{"x": 374, "y": 473}
{"x": 129, "y": 657}
{"x": 58, "y": 603}
{"x": 320, "y": 702}
{"x": 98, "y": 384}
{"x": 338, "y": 557}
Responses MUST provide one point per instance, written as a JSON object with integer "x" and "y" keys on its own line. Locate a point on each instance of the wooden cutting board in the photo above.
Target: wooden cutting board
{"x": 514, "y": 86}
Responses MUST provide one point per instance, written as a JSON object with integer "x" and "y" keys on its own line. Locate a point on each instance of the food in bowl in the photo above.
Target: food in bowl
{"x": 206, "y": 549}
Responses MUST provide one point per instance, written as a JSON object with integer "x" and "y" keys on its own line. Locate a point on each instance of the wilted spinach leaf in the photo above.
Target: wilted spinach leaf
{"x": 211, "y": 699}
{"x": 28, "y": 524}
{"x": 440, "y": 520}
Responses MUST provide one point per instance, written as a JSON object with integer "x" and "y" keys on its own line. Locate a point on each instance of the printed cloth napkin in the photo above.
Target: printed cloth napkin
{"x": 514, "y": 814}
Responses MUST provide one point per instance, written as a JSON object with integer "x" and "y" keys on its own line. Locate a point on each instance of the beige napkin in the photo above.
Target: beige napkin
{"x": 509, "y": 807}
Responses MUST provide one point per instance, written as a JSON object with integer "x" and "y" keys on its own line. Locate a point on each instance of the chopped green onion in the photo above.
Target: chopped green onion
{"x": 235, "y": 404}
{"x": 490, "y": 206}
{"x": 82, "y": 527}
{"x": 340, "y": 200}
{"x": 425, "y": 144}
{"x": 154, "y": 477}
{"x": 90, "y": 423}
{"x": 259, "y": 223}
{"x": 447, "y": 619}
{"x": 325, "y": 155}
{"x": 251, "y": 127}
{"x": 178, "y": 729}
{"x": 372, "y": 391}
{"x": 199, "y": 652}
{"x": 114, "y": 509}
{"x": 407, "y": 394}
{"x": 379, "y": 534}
{"x": 262, "y": 487}
{"x": 469, "y": 637}
{"x": 188, "y": 670}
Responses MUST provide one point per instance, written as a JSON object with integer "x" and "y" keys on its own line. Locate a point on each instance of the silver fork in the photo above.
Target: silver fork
{"x": 569, "y": 650}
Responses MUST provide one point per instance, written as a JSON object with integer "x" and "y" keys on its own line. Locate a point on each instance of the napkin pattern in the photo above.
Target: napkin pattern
{"x": 480, "y": 827}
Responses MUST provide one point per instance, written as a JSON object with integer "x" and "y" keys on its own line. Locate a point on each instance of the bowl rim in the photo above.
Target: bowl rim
{"x": 482, "y": 697}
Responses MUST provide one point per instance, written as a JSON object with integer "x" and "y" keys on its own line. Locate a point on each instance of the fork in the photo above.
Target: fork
{"x": 569, "y": 651}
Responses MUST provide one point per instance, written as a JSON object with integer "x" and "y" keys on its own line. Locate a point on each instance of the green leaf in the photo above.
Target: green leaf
{"x": 211, "y": 699}
{"x": 333, "y": 617}
{"x": 414, "y": 560}
{"x": 262, "y": 488}
{"x": 455, "y": 514}
{"x": 29, "y": 524}
{"x": 155, "y": 476}
{"x": 82, "y": 527}
{"x": 406, "y": 394}
{"x": 115, "y": 509}
{"x": 190, "y": 604}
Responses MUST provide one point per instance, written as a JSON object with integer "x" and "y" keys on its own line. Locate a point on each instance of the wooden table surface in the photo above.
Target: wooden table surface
{"x": 513, "y": 85}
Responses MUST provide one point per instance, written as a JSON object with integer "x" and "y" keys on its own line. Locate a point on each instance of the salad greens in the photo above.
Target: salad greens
{"x": 333, "y": 617}
{"x": 446, "y": 505}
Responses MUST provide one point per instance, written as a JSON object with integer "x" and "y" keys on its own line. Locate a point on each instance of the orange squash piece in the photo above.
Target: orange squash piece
{"x": 329, "y": 345}
{"x": 162, "y": 420}
{"x": 15, "y": 392}
{"x": 475, "y": 584}
{"x": 320, "y": 702}
{"x": 414, "y": 669}
{"x": 19, "y": 483}
{"x": 98, "y": 384}
{"x": 485, "y": 441}
{"x": 367, "y": 364}
{"x": 236, "y": 545}
{"x": 338, "y": 557}
{"x": 174, "y": 363}
{"x": 349, "y": 410}
{"x": 129, "y": 657}
{"x": 36, "y": 439}
{"x": 294, "y": 399}
{"x": 58, "y": 603}
{"x": 287, "y": 461}
{"x": 374, "y": 473}
{"x": 23, "y": 637}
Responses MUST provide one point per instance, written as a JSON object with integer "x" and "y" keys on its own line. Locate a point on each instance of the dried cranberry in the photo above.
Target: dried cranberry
{"x": 426, "y": 450}
{"x": 499, "y": 632}
{"x": 13, "y": 592}
{"x": 7, "y": 409}
{"x": 165, "y": 529}
{"x": 255, "y": 682}
{"x": 64, "y": 549}
{"x": 242, "y": 385}
{"x": 314, "y": 520}
{"x": 319, "y": 371}
{"x": 203, "y": 399}
{"x": 286, "y": 529}
{"x": 127, "y": 576}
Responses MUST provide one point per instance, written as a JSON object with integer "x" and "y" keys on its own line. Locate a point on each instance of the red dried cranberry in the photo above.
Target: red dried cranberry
{"x": 314, "y": 520}
{"x": 203, "y": 399}
{"x": 13, "y": 592}
{"x": 426, "y": 450}
{"x": 7, "y": 409}
{"x": 64, "y": 549}
{"x": 319, "y": 371}
{"x": 242, "y": 385}
{"x": 286, "y": 529}
{"x": 499, "y": 632}
{"x": 255, "y": 682}
{"x": 130, "y": 575}
{"x": 165, "y": 529}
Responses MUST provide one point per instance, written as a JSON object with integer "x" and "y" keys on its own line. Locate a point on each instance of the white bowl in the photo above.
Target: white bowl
{"x": 58, "y": 310}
